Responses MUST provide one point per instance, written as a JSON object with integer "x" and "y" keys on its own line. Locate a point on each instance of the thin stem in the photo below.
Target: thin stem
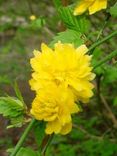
{"x": 98, "y": 82}
{"x": 47, "y": 144}
{"x": 87, "y": 133}
{"x": 110, "y": 113}
{"x": 104, "y": 25}
{"x": 102, "y": 41}
{"x": 107, "y": 58}
{"x": 23, "y": 137}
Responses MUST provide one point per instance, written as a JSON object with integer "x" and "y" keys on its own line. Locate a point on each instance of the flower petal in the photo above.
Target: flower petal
{"x": 82, "y": 7}
{"x": 53, "y": 126}
{"x": 97, "y": 6}
{"x": 66, "y": 128}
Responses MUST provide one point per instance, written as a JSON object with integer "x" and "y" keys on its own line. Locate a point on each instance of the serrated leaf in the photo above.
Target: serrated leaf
{"x": 19, "y": 95}
{"x": 16, "y": 122}
{"x": 68, "y": 36}
{"x": 13, "y": 109}
{"x": 78, "y": 23}
{"x": 27, "y": 152}
{"x": 113, "y": 10}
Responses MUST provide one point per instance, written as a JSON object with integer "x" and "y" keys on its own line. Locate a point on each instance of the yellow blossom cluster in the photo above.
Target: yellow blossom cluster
{"x": 91, "y": 5}
{"x": 61, "y": 76}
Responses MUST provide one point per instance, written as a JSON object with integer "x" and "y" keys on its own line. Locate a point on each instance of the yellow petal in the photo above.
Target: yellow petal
{"x": 50, "y": 118}
{"x": 75, "y": 108}
{"x": 75, "y": 84}
{"x": 36, "y": 53}
{"x": 66, "y": 128}
{"x": 45, "y": 48}
{"x": 82, "y": 7}
{"x": 53, "y": 127}
{"x": 64, "y": 115}
{"x": 97, "y": 6}
{"x": 82, "y": 49}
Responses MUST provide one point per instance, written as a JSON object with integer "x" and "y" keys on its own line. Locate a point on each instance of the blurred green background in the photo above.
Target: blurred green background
{"x": 95, "y": 129}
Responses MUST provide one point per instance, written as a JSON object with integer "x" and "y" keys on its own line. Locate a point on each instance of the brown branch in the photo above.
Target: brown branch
{"x": 48, "y": 31}
{"x": 100, "y": 138}
{"x": 110, "y": 113}
{"x": 87, "y": 133}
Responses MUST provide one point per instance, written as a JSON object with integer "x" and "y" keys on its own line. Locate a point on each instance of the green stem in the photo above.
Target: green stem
{"x": 107, "y": 58}
{"x": 23, "y": 137}
{"x": 102, "y": 41}
{"x": 104, "y": 25}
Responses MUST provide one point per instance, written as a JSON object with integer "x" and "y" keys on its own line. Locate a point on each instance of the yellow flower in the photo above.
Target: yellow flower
{"x": 55, "y": 104}
{"x": 32, "y": 17}
{"x": 64, "y": 65}
{"x": 91, "y": 5}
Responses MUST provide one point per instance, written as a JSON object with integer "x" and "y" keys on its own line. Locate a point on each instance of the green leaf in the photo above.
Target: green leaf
{"x": 4, "y": 79}
{"x": 110, "y": 74}
{"x": 78, "y": 23}
{"x": 115, "y": 102}
{"x": 9, "y": 150}
{"x": 39, "y": 132}
{"x": 27, "y": 152}
{"x": 37, "y": 23}
{"x": 57, "y": 3}
{"x": 68, "y": 36}
{"x": 18, "y": 93}
{"x": 97, "y": 53}
{"x": 113, "y": 10}
{"x": 13, "y": 109}
{"x": 67, "y": 150}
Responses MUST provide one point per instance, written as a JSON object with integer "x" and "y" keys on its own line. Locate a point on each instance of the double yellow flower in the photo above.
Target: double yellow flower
{"x": 61, "y": 77}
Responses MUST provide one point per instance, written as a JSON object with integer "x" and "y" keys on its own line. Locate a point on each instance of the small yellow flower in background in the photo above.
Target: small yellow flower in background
{"x": 91, "y": 5}
{"x": 55, "y": 105}
{"x": 63, "y": 65}
{"x": 32, "y": 17}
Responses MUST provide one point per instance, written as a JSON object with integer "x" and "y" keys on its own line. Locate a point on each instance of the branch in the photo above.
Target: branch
{"x": 102, "y": 41}
{"x": 107, "y": 58}
{"x": 110, "y": 113}
{"x": 104, "y": 25}
{"x": 87, "y": 133}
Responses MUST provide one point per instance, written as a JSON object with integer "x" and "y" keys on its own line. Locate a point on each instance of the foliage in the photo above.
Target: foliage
{"x": 27, "y": 152}
{"x": 68, "y": 36}
{"x": 113, "y": 10}
{"x": 94, "y": 130}
{"x": 79, "y": 23}
{"x": 13, "y": 109}
{"x": 39, "y": 132}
